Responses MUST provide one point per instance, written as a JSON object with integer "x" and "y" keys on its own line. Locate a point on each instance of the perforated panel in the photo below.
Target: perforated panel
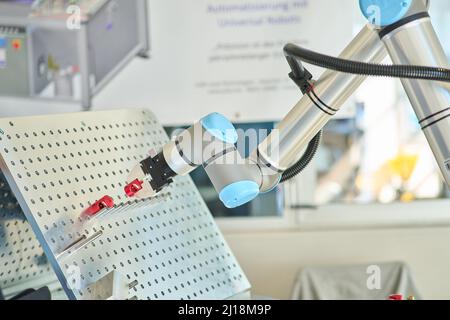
{"x": 59, "y": 165}
{"x": 21, "y": 256}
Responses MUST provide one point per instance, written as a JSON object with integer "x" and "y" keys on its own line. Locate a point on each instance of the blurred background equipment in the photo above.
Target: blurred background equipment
{"x": 23, "y": 264}
{"x": 68, "y": 50}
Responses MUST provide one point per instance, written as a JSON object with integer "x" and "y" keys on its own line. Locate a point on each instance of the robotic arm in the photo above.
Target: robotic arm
{"x": 400, "y": 28}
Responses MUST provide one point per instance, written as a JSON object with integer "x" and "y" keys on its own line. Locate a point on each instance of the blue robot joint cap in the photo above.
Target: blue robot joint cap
{"x": 239, "y": 193}
{"x": 220, "y": 127}
{"x": 384, "y": 12}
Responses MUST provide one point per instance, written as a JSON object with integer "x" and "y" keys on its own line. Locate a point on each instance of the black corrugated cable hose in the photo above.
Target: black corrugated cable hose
{"x": 353, "y": 67}
{"x": 367, "y": 69}
{"x": 304, "y": 161}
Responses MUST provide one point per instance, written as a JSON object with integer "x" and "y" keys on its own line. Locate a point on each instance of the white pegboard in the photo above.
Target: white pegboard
{"x": 22, "y": 259}
{"x": 58, "y": 165}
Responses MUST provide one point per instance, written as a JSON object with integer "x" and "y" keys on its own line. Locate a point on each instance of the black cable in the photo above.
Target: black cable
{"x": 295, "y": 55}
{"x": 367, "y": 69}
{"x": 304, "y": 161}
{"x": 302, "y": 78}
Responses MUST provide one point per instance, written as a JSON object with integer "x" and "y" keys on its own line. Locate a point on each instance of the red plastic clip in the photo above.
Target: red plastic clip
{"x": 133, "y": 188}
{"x": 396, "y": 297}
{"x": 105, "y": 202}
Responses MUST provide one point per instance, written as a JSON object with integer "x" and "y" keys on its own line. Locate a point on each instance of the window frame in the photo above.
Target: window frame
{"x": 300, "y": 215}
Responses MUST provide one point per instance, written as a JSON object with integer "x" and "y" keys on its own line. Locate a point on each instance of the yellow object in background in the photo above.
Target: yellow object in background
{"x": 404, "y": 165}
{"x": 407, "y": 197}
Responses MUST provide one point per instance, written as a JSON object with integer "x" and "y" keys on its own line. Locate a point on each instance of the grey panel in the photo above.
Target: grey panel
{"x": 14, "y": 73}
{"x": 59, "y": 165}
{"x": 112, "y": 36}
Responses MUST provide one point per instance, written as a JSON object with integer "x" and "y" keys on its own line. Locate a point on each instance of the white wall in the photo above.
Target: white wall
{"x": 271, "y": 260}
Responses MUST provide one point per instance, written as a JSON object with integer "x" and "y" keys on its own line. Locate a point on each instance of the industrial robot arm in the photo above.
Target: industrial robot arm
{"x": 399, "y": 28}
